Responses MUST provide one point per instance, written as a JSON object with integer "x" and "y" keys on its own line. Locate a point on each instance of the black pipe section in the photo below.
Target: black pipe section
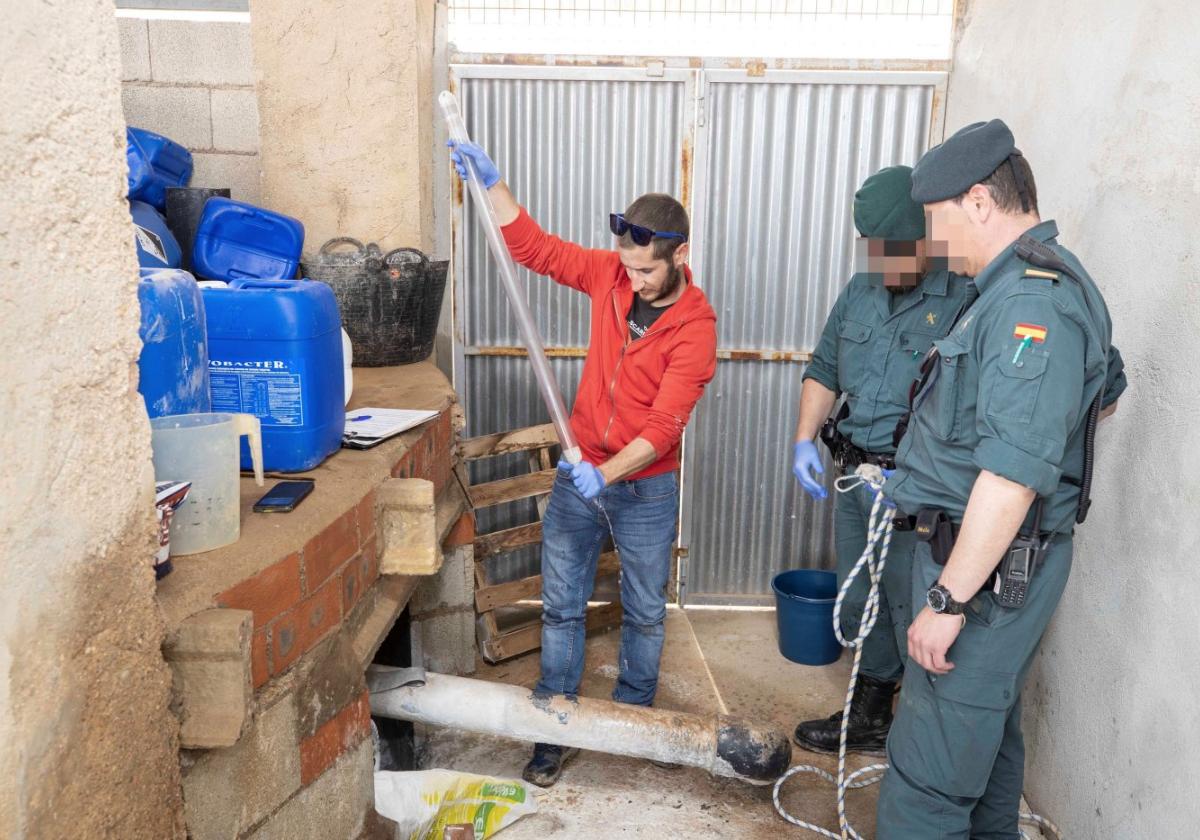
{"x": 759, "y": 754}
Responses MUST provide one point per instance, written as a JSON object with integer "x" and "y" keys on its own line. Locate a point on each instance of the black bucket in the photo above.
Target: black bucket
{"x": 390, "y": 303}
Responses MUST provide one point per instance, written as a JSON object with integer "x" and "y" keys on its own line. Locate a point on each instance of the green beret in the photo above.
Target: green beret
{"x": 883, "y": 208}
{"x": 969, "y": 156}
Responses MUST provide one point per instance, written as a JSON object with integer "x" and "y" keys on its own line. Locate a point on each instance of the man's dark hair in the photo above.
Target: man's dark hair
{"x": 658, "y": 211}
{"x": 1002, "y": 184}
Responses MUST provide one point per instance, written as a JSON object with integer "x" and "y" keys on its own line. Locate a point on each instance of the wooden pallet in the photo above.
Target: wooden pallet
{"x": 496, "y": 645}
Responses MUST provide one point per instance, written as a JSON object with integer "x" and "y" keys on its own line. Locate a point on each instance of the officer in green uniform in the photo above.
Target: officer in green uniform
{"x": 881, "y": 326}
{"x": 992, "y": 467}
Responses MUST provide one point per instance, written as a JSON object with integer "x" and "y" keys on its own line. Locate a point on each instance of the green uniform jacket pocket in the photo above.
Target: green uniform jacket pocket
{"x": 853, "y": 350}
{"x": 944, "y": 386}
{"x": 1015, "y": 386}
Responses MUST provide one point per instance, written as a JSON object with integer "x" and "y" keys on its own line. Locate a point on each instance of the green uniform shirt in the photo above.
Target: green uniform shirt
{"x": 872, "y": 346}
{"x": 1020, "y": 415}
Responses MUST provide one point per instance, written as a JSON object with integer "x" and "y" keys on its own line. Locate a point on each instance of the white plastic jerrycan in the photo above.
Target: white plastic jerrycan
{"x": 204, "y": 449}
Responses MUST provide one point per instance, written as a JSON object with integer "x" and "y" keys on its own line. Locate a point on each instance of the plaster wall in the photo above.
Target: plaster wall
{"x": 87, "y": 744}
{"x": 345, "y": 98}
{"x": 1104, "y": 100}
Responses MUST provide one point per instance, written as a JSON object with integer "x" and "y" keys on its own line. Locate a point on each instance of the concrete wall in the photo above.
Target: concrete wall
{"x": 1104, "y": 99}
{"x": 345, "y": 93}
{"x": 87, "y": 745}
{"x": 190, "y": 76}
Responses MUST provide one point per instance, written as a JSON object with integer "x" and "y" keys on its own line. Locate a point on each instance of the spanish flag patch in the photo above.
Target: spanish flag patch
{"x": 1031, "y": 332}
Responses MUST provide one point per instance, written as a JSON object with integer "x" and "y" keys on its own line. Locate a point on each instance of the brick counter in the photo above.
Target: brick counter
{"x": 284, "y": 621}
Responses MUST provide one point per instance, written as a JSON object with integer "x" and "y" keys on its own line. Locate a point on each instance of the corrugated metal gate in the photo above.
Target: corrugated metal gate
{"x": 767, "y": 165}
{"x": 777, "y": 166}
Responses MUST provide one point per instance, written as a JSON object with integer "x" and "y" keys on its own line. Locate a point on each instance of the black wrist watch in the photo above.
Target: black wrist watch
{"x": 942, "y": 602}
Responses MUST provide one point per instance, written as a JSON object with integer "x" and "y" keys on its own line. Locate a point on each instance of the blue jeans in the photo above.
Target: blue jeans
{"x": 642, "y": 514}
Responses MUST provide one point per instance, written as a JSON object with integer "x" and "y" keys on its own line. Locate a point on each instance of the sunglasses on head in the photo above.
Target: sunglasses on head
{"x": 640, "y": 235}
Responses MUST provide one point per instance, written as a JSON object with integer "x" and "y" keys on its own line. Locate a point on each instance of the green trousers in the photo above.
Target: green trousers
{"x": 955, "y": 748}
{"x": 886, "y": 649}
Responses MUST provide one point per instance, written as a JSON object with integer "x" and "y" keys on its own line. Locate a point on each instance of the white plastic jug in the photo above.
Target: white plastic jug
{"x": 204, "y": 449}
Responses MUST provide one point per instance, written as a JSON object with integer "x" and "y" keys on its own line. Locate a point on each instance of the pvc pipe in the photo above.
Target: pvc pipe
{"x": 508, "y": 276}
{"x": 720, "y": 744}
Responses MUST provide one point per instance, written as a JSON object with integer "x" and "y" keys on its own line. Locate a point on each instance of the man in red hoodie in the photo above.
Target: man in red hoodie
{"x": 652, "y": 351}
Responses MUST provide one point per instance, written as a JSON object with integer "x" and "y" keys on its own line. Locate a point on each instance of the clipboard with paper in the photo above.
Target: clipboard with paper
{"x": 367, "y": 427}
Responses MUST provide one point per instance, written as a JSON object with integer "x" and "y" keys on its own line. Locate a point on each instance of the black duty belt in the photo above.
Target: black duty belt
{"x": 845, "y": 453}
{"x": 855, "y": 456}
{"x": 907, "y": 522}
{"x": 849, "y": 456}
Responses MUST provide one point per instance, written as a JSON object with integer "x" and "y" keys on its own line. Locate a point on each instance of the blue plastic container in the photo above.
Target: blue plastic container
{"x": 156, "y": 245}
{"x": 275, "y": 351}
{"x": 140, "y": 171}
{"x": 238, "y": 241}
{"x": 170, "y": 165}
{"x": 173, "y": 365}
{"x": 804, "y": 612}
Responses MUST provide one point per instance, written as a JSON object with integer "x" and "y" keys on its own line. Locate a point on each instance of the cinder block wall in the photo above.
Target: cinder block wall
{"x": 193, "y": 80}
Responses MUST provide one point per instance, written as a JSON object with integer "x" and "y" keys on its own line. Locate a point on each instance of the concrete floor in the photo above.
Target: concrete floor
{"x": 713, "y": 660}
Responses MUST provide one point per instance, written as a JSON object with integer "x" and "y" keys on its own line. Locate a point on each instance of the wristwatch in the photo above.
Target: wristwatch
{"x": 942, "y": 602}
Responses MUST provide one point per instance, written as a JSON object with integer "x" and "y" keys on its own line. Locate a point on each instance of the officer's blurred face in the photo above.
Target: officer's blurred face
{"x": 900, "y": 262}
{"x": 953, "y": 236}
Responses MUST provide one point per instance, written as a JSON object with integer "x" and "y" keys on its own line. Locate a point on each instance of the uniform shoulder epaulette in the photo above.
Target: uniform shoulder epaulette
{"x": 1040, "y": 274}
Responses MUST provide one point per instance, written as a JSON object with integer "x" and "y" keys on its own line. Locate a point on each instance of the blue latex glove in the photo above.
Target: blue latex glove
{"x": 805, "y": 461}
{"x": 588, "y": 479}
{"x": 488, "y": 173}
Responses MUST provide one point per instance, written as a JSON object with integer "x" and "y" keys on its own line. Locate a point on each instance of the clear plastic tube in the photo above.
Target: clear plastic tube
{"x": 547, "y": 384}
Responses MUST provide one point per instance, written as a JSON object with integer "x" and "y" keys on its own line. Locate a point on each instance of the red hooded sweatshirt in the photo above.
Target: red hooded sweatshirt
{"x": 629, "y": 389}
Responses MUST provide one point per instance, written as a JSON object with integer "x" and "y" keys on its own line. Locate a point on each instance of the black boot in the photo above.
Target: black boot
{"x": 870, "y": 719}
{"x": 547, "y": 763}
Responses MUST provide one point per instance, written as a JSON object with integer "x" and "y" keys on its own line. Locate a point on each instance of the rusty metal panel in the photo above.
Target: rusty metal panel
{"x": 778, "y": 163}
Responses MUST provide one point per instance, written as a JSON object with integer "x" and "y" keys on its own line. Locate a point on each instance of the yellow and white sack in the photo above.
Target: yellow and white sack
{"x": 424, "y": 802}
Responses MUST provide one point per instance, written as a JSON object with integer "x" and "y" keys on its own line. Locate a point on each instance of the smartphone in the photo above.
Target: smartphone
{"x": 284, "y": 496}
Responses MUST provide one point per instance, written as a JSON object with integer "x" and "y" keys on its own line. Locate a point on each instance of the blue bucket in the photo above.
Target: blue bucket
{"x": 804, "y": 611}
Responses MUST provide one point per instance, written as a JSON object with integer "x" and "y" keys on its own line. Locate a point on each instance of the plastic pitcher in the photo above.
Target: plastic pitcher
{"x": 204, "y": 449}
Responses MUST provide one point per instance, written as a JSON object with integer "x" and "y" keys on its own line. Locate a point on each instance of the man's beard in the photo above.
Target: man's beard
{"x": 673, "y": 281}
